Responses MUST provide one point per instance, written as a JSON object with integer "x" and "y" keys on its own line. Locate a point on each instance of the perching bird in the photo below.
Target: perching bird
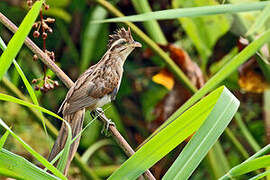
{"x": 96, "y": 87}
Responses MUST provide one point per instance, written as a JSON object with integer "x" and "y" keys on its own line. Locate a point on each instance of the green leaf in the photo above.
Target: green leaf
{"x": 17, "y": 40}
{"x": 64, "y": 157}
{"x": 205, "y": 137}
{"x": 190, "y": 12}
{"x": 203, "y": 31}
{"x": 209, "y": 108}
{"x": 40, "y": 158}
{"x": 12, "y": 165}
{"x": 90, "y": 36}
{"x": 26, "y": 83}
{"x": 247, "y": 167}
{"x": 261, "y": 175}
{"x": 260, "y": 20}
{"x": 3, "y": 139}
{"x": 152, "y": 27}
{"x": 5, "y": 97}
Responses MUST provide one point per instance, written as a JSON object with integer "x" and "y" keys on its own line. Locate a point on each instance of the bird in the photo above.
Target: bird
{"x": 97, "y": 86}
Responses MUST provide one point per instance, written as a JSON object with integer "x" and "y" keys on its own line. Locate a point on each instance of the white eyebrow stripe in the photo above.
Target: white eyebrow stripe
{"x": 116, "y": 42}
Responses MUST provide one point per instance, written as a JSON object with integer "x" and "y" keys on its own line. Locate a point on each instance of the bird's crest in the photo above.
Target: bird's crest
{"x": 120, "y": 34}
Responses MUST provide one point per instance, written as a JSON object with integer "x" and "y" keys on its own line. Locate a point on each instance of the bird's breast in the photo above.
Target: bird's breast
{"x": 102, "y": 101}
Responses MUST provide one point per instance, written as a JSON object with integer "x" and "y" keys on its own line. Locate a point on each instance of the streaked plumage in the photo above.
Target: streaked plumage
{"x": 96, "y": 87}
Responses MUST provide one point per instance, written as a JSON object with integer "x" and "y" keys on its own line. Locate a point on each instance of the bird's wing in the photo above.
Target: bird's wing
{"x": 89, "y": 88}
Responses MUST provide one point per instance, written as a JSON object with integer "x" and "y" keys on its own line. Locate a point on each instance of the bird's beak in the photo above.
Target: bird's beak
{"x": 136, "y": 44}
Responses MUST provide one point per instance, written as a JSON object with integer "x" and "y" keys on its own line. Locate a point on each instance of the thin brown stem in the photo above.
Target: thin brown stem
{"x": 69, "y": 83}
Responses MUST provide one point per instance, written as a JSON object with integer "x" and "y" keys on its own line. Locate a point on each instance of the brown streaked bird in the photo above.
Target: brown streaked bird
{"x": 97, "y": 86}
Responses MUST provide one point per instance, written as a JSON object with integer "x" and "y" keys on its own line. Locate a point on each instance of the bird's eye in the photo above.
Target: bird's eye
{"x": 123, "y": 43}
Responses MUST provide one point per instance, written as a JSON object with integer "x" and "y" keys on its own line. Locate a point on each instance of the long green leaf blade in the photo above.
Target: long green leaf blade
{"x": 205, "y": 137}
{"x": 17, "y": 40}
{"x": 33, "y": 152}
{"x": 3, "y": 139}
{"x": 5, "y": 97}
{"x": 248, "y": 166}
{"x": 26, "y": 83}
{"x": 190, "y": 12}
{"x": 167, "y": 139}
{"x": 12, "y": 165}
{"x": 260, "y": 20}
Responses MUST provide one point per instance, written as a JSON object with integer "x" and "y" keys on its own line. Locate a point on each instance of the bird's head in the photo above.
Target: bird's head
{"x": 122, "y": 43}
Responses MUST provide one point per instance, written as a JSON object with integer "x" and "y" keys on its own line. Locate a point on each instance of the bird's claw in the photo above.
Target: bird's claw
{"x": 106, "y": 126}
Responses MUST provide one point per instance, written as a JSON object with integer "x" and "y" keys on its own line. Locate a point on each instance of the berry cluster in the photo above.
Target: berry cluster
{"x": 42, "y": 27}
{"x": 44, "y": 85}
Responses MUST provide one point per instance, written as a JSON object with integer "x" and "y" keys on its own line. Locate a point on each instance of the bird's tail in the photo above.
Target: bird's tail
{"x": 75, "y": 121}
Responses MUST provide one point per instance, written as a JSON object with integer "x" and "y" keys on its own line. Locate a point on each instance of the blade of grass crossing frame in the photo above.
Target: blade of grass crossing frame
{"x": 247, "y": 167}
{"x": 12, "y": 165}
{"x": 64, "y": 156}
{"x": 172, "y": 135}
{"x": 5, "y": 97}
{"x": 261, "y": 175}
{"x": 27, "y": 84}
{"x": 40, "y": 158}
{"x": 3, "y": 139}
{"x": 205, "y": 137}
{"x": 260, "y": 20}
{"x": 190, "y": 12}
{"x": 17, "y": 40}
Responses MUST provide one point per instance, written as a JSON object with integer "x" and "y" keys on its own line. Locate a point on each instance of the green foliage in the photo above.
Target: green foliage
{"x": 33, "y": 152}
{"x": 3, "y": 139}
{"x": 203, "y": 31}
{"x": 190, "y": 12}
{"x": 210, "y": 110}
{"x": 17, "y": 167}
{"x": 205, "y": 137}
{"x": 17, "y": 40}
{"x": 26, "y": 83}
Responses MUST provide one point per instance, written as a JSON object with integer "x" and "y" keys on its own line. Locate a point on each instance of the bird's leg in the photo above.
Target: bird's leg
{"x": 108, "y": 122}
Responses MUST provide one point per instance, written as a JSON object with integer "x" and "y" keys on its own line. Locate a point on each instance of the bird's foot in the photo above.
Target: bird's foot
{"x": 106, "y": 126}
{"x": 107, "y": 123}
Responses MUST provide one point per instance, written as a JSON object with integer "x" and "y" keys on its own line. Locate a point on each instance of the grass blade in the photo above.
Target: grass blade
{"x": 205, "y": 137}
{"x": 190, "y": 12}
{"x": 90, "y": 36}
{"x": 40, "y": 158}
{"x": 248, "y": 136}
{"x": 261, "y": 175}
{"x": 17, "y": 167}
{"x": 17, "y": 40}
{"x": 152, "y": 27}
{"x": 3, "y": 139}
{"x": 247, "y": 167}
{"x": 64, "y": 157}
{"x": 172, "y": 135}
{"x": 260, "y": 20}
{"x": 5, "y": 97}
{"x": 26, "y": 83}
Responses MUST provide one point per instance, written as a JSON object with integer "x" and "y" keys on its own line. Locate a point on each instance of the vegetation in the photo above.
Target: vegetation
{"x": 193, "y": 102}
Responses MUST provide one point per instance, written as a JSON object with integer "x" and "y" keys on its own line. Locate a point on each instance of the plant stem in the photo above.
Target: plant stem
{"x": 236, "y": 143}
{"x": 169, "y": 62}
{"x": 152, "y": 27}
{"x": 246, "y": 132}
